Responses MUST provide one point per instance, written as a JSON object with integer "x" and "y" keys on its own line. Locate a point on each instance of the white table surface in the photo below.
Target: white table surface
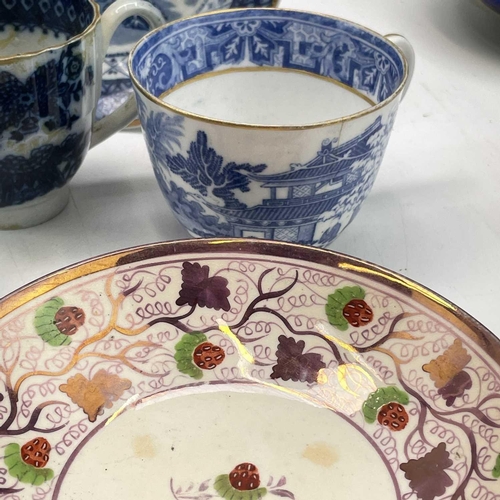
{"x": 433, "y": 214}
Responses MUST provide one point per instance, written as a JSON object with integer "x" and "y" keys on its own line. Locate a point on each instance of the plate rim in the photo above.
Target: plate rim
{"x": 458, "y": 317}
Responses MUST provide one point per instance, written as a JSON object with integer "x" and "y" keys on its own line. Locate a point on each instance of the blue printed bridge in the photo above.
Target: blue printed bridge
{"x": 299, "y": 197}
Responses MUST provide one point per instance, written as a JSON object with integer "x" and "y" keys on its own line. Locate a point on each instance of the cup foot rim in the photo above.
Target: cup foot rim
{"x": 34, "y": 212}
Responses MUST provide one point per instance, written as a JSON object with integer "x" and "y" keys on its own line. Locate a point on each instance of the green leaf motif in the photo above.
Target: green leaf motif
{"x": 224, "y": 488}
{"x": 22, "y": 471}
{"x": 380, "y": 398}
{"x": 12, "y": 452}
{"x": 496, "y": 470}
{"x": 45, "y": 326}
{"x": 336, "y": 303}
{"x": 184, "y": 354}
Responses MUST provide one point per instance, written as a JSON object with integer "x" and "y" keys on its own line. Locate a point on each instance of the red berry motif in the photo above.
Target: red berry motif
{"x": 245, "y": 477}
{"x": 36, "y": 452}
{"x": 69, "y": 319}
{"x": 207, "y": 356}
{"x": 393, "y": 416}
{"x": 357, "y": 312}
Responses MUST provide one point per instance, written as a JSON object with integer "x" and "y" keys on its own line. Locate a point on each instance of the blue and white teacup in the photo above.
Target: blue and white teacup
{"x": 245, "y": 159}
{"x": 51, "y": 54}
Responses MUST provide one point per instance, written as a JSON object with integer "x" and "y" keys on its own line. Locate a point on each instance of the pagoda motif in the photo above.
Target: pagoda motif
{"x": 299, "y": 197}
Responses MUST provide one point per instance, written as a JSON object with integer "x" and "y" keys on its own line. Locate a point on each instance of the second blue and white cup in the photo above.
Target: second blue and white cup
{"x": 268, "y": 123}
{"x": 51, "y": 54}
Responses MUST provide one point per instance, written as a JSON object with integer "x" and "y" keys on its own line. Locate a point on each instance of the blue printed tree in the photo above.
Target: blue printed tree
{"x": 204, "y": 170}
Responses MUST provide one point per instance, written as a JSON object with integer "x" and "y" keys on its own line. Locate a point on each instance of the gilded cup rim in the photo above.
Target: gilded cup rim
{"x": 75, "y": 38}
{"x": 227, "y": 123}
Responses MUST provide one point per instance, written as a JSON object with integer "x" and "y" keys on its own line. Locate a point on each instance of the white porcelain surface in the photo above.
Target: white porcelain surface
{"x": 311, "y": 446}
{"x": 13, "y": 43}
{"x": 271, "y": 98}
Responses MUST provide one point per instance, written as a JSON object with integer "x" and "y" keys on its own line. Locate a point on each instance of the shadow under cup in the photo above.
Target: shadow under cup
{"x": 299, "y": 183}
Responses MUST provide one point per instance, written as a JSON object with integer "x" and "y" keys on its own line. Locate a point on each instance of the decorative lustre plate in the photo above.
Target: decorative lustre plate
{"x": 310, "y": 375}
{"x": 116, "y": 84}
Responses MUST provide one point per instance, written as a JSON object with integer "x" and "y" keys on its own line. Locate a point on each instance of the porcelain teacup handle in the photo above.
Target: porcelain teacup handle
{"x": 405, "y": 46}
{"x": 114, "y": 15}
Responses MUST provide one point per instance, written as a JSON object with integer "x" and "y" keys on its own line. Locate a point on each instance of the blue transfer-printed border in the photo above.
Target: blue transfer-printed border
{"x": 67, "y": 17}
{"x": 352, "y": 55}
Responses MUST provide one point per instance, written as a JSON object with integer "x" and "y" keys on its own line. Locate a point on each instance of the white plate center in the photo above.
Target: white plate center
{"x": 163, "y": 450}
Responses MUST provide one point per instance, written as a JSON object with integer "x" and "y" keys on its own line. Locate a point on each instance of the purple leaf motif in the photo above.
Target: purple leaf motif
{"x": 9, "y": 491}
{"x": 294, "y": 364}
{"x": 456, "y": 387}
{"x": 282, "y": 481}
{"x": 427, "y": 475}
{"x": 199, "y": 289}
{"x": 204, "y": 486}
{"x": 283, "y": 493}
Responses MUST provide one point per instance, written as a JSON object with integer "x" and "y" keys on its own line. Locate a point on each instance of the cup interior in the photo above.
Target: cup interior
{"x": 320, "y": 45}
{"x": 66, "y": 18}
